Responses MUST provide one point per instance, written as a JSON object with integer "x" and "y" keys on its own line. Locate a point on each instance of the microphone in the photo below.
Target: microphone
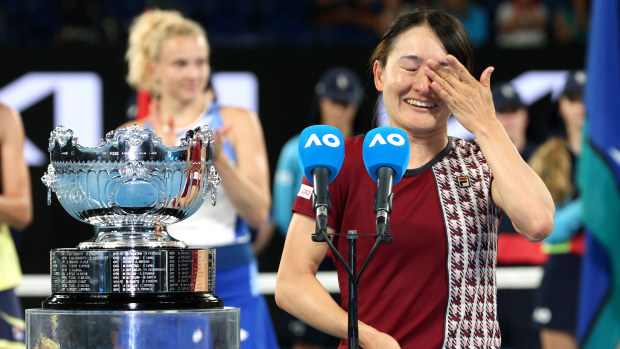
{"x": 386, "y": 155}
{"x": 321, "y": 153}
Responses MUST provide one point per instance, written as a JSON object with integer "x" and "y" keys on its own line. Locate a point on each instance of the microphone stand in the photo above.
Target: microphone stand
{"x": 351, "y": 268}
{"x": 353, "y": 334}
{"x": 321, "y": 203}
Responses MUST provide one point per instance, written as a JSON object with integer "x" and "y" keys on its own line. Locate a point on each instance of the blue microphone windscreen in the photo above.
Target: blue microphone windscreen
{"x": 321, "y": 146}
{"x": 386, "y": 146}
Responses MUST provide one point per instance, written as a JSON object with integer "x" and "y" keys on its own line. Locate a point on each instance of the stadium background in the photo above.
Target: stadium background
{"x": 286, "y": 76}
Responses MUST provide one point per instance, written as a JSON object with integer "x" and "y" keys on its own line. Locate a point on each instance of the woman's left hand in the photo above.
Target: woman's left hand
{"x": 469, "y": 100}
{"x": 218, "y": 141}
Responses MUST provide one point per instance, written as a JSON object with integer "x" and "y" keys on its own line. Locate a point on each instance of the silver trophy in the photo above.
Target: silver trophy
{"x": 131, "y": 187}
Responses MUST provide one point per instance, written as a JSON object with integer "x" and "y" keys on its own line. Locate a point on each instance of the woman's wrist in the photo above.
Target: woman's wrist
{"x": 489, "y": 129}
{"x": 222, "y": 163}
{"x": 366, "y": 335}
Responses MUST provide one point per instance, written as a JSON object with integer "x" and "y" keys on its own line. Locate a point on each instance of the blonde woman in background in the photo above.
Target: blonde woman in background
{"x": 552, "y": 162}
{"x": 168, "y": 55}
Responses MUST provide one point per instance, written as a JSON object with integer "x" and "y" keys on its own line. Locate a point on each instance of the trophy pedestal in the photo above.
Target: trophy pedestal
{"x": 132, "y": 279}
{"x": 162, "y": 329}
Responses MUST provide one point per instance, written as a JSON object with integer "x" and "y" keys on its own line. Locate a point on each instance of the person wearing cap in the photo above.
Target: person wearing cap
{"x": 555, "y": 313}
{"x": 512, "y": 113}
{"x": 515, "y": 305}
{"x": 338, "y": 94}
{"x": 571, "y": 109}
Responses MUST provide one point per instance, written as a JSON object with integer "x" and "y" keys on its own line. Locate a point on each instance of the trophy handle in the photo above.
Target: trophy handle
{"x": 213, "y": 181}
{"x": 49, "y": 179}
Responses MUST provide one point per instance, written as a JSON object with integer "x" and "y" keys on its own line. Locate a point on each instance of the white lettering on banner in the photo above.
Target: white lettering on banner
{"x": 393, "y": 138}
{"x": 77, "y": 104}
{"x": 305, "y": 191}
{"x": 329, "y": 139}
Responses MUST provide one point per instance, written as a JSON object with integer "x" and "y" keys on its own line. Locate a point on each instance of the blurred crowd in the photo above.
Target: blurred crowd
{"x": 286, "y": 23}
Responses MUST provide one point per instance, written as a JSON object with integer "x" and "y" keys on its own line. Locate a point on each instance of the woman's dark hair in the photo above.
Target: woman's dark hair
{"x": 450, "y": 31}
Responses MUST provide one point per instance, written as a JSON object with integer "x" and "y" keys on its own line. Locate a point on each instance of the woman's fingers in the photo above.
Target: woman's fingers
{"x": 468, "y": 99}
{"x": 440, "y": 81}
{"x": 485, "y": 77}
{"x": 442, "y": 74}
{"x": 459, "y": 70}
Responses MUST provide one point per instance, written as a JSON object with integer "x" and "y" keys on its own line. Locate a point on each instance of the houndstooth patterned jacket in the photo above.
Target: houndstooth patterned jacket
{"x": 471, "y": 219}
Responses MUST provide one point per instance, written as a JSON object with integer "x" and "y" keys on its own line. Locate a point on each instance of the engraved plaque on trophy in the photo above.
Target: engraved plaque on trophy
{"x": 131, "y": 187}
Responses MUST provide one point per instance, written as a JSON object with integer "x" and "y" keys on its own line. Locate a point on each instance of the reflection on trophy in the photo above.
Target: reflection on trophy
{"x": 131, "y": 187}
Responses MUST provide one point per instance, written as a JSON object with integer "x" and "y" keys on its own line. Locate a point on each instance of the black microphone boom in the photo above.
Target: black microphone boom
{"x": 383, "y": 202}
{"x": 321, "y": 201}
{"x": 383, "y": 197}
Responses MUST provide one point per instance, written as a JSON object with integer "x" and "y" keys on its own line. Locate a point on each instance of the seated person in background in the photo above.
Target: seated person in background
{"x": 570, "y": 22}
{"x": 475, "y": 18}
{"x": 521, "y": 24}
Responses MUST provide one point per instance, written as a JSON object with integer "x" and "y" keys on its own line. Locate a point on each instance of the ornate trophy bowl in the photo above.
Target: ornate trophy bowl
{"x": 131, "y": 187}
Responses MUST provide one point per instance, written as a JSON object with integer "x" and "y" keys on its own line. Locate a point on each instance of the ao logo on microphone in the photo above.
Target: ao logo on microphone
{"x": 392, "y": 138}
{"x": 328, "y": 139}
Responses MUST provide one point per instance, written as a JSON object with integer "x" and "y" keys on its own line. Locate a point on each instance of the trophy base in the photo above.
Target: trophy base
{"x": 141, "y": 301}
{"x": 133, "y": 279}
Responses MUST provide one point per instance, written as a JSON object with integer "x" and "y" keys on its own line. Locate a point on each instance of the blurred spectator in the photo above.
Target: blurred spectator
{"x": 556, "y": 303}
{"x": 390, "y": 9}
{"x": 86, "y": 23}
{"x": 521, "y": 24}
{"x": 513, "y": 115}
{"x": 124, "y": 11}
{"x": 285, "y": 23}
{"x": 230, "y": 23}
{"x": 570, "y": 22}
{"x": 515, "y": 306}
{"x": 474, "y": 17}
{"x": 338, "y": 95}
{"x": 349, "y": 22}
{"x": 571, "y": 109}
{"x": 9, "y": 19}
{"x": 16, "y": 213}
{"x": 38, "y": 23}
